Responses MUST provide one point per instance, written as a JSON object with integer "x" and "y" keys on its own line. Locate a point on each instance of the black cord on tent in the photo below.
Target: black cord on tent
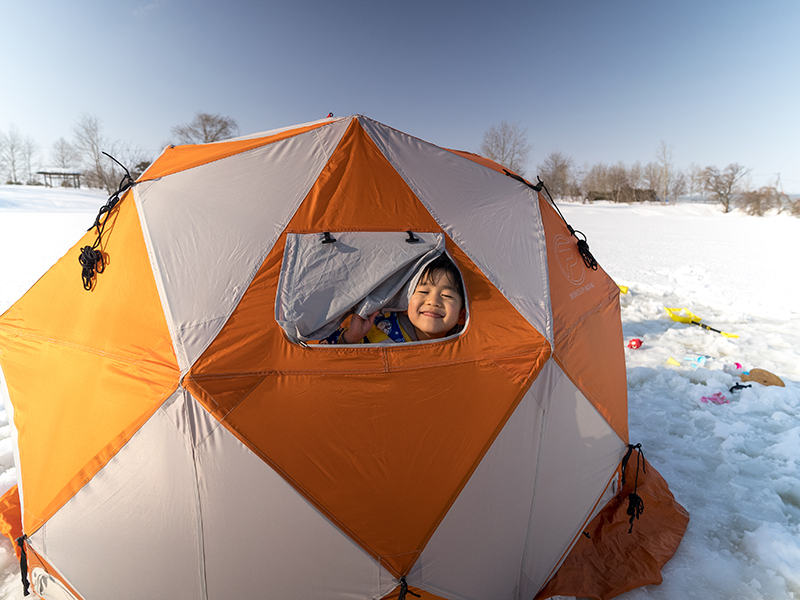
{"x": 404, "y": 590}
{"x": 23, "y": 565}
{"x": 91, "y": 259}
{"x": 583, "y": 245}
{"x": 635, "y": 502}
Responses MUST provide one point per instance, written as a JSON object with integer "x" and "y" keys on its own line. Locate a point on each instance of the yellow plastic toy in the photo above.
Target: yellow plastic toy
{"x": 684, "y": 315}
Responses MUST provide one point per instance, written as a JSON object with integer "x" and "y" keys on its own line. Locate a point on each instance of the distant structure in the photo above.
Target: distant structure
{"x": 68, "y": 177}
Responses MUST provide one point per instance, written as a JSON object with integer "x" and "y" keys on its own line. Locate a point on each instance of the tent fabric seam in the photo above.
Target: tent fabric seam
{"x": 88, "y": 349}
{"x": 177, "y": 341}
{"x": 538, "y": 464}
{"x": 384, "y": 349}
{"x": 198, "y": 506}
{"x": 82, "y": 481}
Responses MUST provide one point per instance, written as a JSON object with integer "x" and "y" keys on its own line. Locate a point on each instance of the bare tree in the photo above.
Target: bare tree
{"x": 617, "y": 181}
{"x": 63, "y": 155}
{"x": 694, "y": 179}
{"x": 652, "y": 175}
{"x": 723, "y": 185}
{"x": 556, "y": 172}
{"x": 99, "y": 170}
{"x": 635, "y": 180}
{"x": 11, "y": 154}
{"x": 595, "y": 183}
{"x": 135, "y": 158}
{"x": 507, "y": 144}
{"x": 759, "y": 202}
{"x": 677, "y": 186}
{"x": 29, "y": 150}
{"x": 664, "y": 161}
{"x": 205, "y": 128}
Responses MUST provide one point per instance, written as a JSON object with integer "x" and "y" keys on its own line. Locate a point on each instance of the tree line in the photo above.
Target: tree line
{"x": 657, "y": 181}
{"x": 507, "y": 144}
{"x": 85, "y": 152}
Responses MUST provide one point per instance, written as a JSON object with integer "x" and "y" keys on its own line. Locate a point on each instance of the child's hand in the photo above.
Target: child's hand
{"x": 359, "y": 327}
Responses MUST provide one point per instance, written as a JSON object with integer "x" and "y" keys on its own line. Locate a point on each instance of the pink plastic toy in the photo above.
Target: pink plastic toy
{"x": 718, "y": 398}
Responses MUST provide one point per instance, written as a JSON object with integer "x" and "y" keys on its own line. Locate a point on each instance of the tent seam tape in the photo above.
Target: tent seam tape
{"x": 187, "y": 397}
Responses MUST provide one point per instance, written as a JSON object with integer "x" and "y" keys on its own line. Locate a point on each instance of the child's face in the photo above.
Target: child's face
{"x": 435, "y": 306}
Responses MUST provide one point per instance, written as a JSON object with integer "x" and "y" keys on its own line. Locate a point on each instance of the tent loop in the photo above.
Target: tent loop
{"x": 404, "y": 590}
{"x": 23, "y": 565}
{"x": 91, "y": 261}
{"x": 327, "y": 238}
{"x": 91, "y": 258}
{"x": 412, "y": 239}
{"x": 583, "y": 245}
{"x": 635, "y": 502}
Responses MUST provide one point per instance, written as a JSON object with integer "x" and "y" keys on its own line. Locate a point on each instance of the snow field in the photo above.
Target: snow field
{"x": 734, "y": 466}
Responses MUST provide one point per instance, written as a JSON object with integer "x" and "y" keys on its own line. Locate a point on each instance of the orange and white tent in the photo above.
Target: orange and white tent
{"x": 179, "y": 435}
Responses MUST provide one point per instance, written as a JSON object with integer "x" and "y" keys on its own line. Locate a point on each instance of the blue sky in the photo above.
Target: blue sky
{"x": 718, "y": 81}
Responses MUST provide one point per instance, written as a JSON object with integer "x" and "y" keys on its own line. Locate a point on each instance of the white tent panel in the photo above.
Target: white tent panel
{"x": 208, "y": 229}
{"x": 578, "y": 458}
{"x": 476, "y": 552}
{"x": 503, "y": 218}
{"x": 134, "y": 526}
{"x": 264, "y": 540}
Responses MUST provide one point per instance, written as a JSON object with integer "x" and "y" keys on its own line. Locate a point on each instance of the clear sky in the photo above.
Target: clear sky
{"x": 601, "y": 81}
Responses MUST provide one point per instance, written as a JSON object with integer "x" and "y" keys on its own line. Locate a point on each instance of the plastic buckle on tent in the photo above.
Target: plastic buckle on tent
{"x": 328, "y": 238}
{"x": 412, "y": 239}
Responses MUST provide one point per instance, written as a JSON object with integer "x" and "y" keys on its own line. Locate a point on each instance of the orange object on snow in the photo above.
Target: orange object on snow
{"x": 180, "y": 433}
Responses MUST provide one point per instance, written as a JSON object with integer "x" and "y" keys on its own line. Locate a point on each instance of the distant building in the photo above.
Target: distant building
{"x": 67, "y": 177}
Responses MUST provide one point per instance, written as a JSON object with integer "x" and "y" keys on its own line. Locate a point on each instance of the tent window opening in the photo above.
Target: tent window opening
{"x": 392, "y": 286}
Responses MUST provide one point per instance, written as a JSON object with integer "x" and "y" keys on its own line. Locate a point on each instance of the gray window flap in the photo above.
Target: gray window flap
{"x": 320, "y": 284}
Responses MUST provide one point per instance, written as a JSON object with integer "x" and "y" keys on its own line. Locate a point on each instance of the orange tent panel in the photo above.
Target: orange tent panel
{"x": 94, "y": 365}
{"x": 610, "y": 560}
{"x": 585, "y": 306}
{"x": 360, "y": 190}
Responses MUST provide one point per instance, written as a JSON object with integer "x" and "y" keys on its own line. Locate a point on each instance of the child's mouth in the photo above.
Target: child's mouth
{"x": 432, "y": 315}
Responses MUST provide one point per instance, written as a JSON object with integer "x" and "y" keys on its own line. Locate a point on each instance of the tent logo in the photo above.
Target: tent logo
{"x": 48, "y": 586}
{"x": 569, "y": 260}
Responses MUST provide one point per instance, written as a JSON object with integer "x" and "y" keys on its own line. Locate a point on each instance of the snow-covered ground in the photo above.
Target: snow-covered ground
{"x": 735, "y": 466}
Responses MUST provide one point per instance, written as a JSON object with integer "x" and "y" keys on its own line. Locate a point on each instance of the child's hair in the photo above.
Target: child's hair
{"x": 443, "y": 264}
